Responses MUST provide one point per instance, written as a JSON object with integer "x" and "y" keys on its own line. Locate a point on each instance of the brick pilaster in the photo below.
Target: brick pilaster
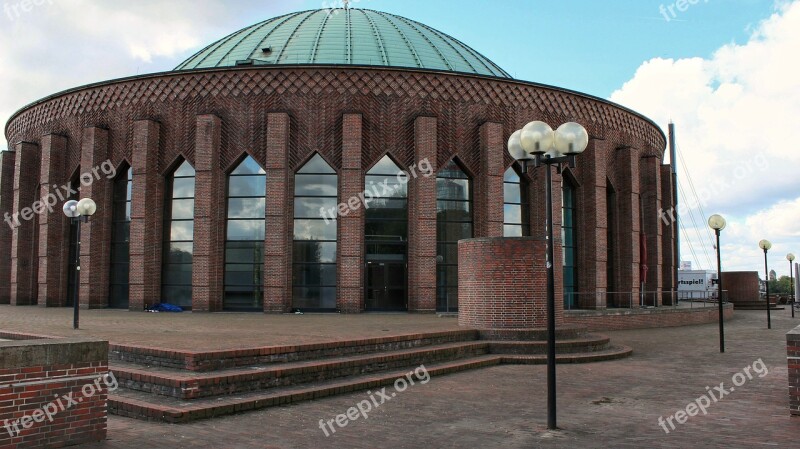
{"x": 593, "y": 227}
{"x": 146, "y": 216}
{"x": 668, "y": 281}
{"x": 209, "y": 217}
{"x": 651, "y": 205}
{"x": 277, "y": 244}
{"x": 629, "y": 232}
{"x": 24, "y": 239}
{"x": 7, "y": 166}
{"x": 53, "y": 225}
{"x": 350, "y": 249}
{"x": 95, "y": 242}
{"x": 422, "y": 221}
{"x": 490, "y": 185}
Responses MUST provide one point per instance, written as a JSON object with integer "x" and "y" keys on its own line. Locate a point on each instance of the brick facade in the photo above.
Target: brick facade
{"x": 7, "y": 166}
{"x": 742, "y": 286}
{"x": 793, "y": 361}
{"x": 352, "y": 117}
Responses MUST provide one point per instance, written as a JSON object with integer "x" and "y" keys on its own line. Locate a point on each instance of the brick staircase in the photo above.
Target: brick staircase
{"x": 183, "y": 386}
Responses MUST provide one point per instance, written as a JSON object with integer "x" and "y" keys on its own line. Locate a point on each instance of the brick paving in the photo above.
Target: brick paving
{"x": 610, "y": 404}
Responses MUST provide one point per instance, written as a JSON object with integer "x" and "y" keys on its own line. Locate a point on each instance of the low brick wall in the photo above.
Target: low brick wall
{"x": 53, "y": 392}
{"x": 621, "y": 319}
{"x": 793, "y": 360}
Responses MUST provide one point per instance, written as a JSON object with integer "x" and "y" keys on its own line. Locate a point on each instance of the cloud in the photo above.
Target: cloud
{"x": 736, "y": 115}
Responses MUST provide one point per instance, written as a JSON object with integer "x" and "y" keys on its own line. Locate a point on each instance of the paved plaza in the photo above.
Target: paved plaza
{"x": 608, "y": 404}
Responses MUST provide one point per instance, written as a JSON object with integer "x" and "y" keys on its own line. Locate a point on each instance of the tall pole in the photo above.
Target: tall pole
{"x": 673, "y": 162}
{"x": 75, "y": 276}
{"x": 766, "y": 270}
{"x": 791, "y": 284}
{"x": 551, "y": 306}
{"x": 719, "y": 287}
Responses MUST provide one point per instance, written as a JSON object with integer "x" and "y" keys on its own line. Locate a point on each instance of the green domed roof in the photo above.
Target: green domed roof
{"x": 343, "y": 36}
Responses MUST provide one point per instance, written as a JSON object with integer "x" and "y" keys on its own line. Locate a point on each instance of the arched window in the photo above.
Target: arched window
{"x": 453, "y": 223}
{"x": 314, "y": 264}
{"x": 515, "y": 199}
{"x": 176, "y": 280}
{"x": 570, "y": 245}
{"x": 120, "y": 240}
{"x": 386, "y": 236}
{"x": 244, "y": 243}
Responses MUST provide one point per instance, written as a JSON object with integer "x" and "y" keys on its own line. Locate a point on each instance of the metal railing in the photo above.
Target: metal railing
{"x": 629, "y": 300}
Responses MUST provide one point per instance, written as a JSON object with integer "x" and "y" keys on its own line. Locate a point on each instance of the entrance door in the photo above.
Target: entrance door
{"x": 386, "y": 286}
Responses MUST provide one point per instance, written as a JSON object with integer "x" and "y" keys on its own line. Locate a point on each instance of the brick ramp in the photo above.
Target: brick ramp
{"x": 163, "y": 393}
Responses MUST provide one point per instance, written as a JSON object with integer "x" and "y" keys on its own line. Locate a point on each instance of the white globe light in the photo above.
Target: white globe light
{"x": 87, "y": 207}
{"x": 765, "y": 245}
{"x": 71, "y": 209}
{"x": 537, "y": 138}
{"x": 571, "y": 138}
{"x": 515, "y": 146}
{"x": 717, "y": 222}
{"x": 790, "y": 257}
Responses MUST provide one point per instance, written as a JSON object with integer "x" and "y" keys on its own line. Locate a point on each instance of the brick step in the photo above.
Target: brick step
{"x": 563, "y": 332}
{"x": 140, "y": 405}
{"x": 586, "y": 344}
{"x": 227, "y": 359}
{"x": 613, "y": 352}
{"x": 187, "y": 385}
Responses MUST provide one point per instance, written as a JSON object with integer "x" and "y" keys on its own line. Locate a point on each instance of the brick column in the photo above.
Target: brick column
{"x": 422, "y": 221}
{"x": 53, "y": 225}
{"x": 24, "y": 239}
{"x": 651, "y": 205}
{"x": 490, "y": 213}
{"x": 593, "y": 226}
{"x": 629, "y": 224}
{"x": 96, "y": 235}
{"x": 146, "y": 216}
{"x": 209, "y": 217}
{"x": 7, "y": 166}
{"x": 350, "y": 249}
{"x": 277, "y": 243}
{"x": 668, "y": 281}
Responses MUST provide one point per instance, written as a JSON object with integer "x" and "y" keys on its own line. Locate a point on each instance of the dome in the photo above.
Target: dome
{"x": 343, "y": 37}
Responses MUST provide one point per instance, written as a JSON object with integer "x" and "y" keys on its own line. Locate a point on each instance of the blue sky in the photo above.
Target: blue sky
{"x": 724, "y": 70}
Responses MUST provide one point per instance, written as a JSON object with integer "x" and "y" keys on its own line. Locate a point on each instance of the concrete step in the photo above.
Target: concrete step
{"x": 587, "y": 344}
{"x": 182, "y": 384}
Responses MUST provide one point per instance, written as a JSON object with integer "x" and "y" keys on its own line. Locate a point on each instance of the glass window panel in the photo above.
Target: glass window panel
{"x": 245, "y": 252}
{"x": 315, "y": 274}
{"x": 183, "y": 188}
{"x": 122, "y": 232}
{"x": 386, "y": 230}
{"x": 310, "y": 207}
{"x": 248, "y": 166}
{"x": 317, "y": 165}
{"x": 385, "y": 166}
{"x": 247, "y": 186}
{"x": 315, "y": 297}
{"x": 119, "y": 273}
{"x": 246, "y": 229}
{"x": 388, "y": 209}
{"x": 314, "y": 230}
{"x": 120, "y": 253}
{"x": 183, "y": 209}
{"x": 185, "y": 170}
{"x": 448, "y": 252}
{"x": 511, "y": 176}
{"x": 383, "y": 187}
{"x": 316, "y": 185}
{"x": 452, "y": 189}
{"x": 178, "y": 277}
{"x": 513, "y": 214}
{"x": 452, "y": 170}
{"x": 512, "y": 230}
{"x": 180, "y": 295}
{"x": 246, "y": 208}
{"x": 182, "y": 230}
{"x": 324, "y": 252}
{"x": 180, "y": 253}
{"x": 512, "y": 193}
{"x": 242, "y": 275}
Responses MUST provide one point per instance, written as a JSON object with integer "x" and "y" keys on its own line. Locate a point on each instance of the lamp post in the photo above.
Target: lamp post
{"x": 790, "y": 258}
{"x": 78, "y": 212}
{"x": 766, "y": 245}
{"x": 549, "y": 148}
{"x": 717, "y": 223}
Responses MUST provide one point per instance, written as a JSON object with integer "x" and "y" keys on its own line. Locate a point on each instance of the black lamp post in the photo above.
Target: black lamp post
{"x": 790, "y": 258}
{"x": 717, "y": 223}
{"x": 78, "y": 212}
{"x": 766, "y": 245}
{"x": 549, "y": 148}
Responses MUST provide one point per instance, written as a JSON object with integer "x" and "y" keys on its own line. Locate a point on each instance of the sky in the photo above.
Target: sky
{"x": 726, "y": 72}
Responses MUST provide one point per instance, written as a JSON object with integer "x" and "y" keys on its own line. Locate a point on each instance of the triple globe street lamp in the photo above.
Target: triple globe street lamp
{"x": 538, "y": 144}
{"x": 78, "y": 212}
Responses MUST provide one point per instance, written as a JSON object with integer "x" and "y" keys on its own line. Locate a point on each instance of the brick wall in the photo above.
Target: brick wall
{"x": 53, "y": 393}
{"x": 7, "y": 164}
{"x": 742, "y": 286}
{"x": 793, "y": 360}
{"x": 620, "y": 319}
{"x": 502, "y": 284}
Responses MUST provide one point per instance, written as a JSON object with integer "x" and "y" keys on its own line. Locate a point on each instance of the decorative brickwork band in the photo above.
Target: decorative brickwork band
{"x": 146, "y": 216}
{"x": 7, "y": 166}
{"x": 53, "y": 226}
{"x": 24, "y": 240}
{"x": 277, "y": 244}
{"x": 422, "y": 221}
{"x": 502, "y": 284}
{"x": 351, "y": 227}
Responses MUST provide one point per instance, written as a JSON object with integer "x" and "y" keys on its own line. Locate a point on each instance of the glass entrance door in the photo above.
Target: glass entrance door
{"x": 386, "y": 286}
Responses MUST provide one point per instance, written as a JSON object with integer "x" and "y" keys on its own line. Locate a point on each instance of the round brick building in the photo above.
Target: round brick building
{"x": 322, "y": 160}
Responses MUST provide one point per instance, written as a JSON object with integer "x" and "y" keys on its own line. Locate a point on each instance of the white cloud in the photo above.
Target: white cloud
{"x": 742, "y": 102}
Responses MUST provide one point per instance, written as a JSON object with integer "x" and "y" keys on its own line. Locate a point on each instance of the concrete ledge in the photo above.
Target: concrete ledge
{"x": 67, "y": 351}
{"x": 622, "y": 319}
